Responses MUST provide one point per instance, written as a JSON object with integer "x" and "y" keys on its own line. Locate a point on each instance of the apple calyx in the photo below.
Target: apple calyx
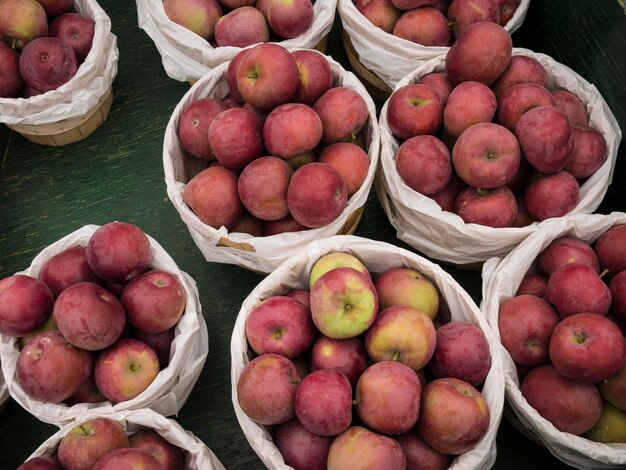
{"x": 579, "y": 337}
{"x": 482, "y": 191}
{"x": 277, "y": 333}
{"x": 419, "y": 102}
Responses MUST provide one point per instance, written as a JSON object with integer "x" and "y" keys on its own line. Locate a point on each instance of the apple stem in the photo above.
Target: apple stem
{"x": 396, "y": 356}
{"x": 603, "y": 273}
{"x": 482, "y": 191}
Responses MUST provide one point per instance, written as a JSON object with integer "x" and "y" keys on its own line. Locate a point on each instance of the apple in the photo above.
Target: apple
{"x": 532, "y": 284}
{"x": 469, "y": 103}
{"x": 262, "y": 188}
{"x": 301, "y": 295}
{"x": 566, "y": 250}
{"x": 454, "y": 416}
{"x": 160, "y": 342}
{"x": 439, "y": 82}
{"x": 315, "y": 76}
{"x": 193, "y": 126}
{"x": 284, "y": 225}
{"x": 387, "y": 397}
{"x": 462, "y": 13}
{"x": 213, "y": 196}
{"x": 613, "y": 389}
{"x": 446, "y": 198}
{"x": 350, "y": 160}
{"x": 571, "y": 105}
{"x": 25, "y": 304}
{"x": 87, "y": 393}
{"x": 343, "y": 113}
{"x": 617, "y": 287}
{"x": 118, "y": 251}
{"x": 280, "y": 325}
{"x": 421, "y": 455}
{"x": 302, "y": 159}
{"x": 46, "y": 63}
{"x": 589, "y": 154}
{"x": 521, "y": 69}
{"x": 21, "y": 21}
{"x": 426, "y": 26}
{"x": 358, "y": 447}
{"x": 410, "y": 4}
{"x": 241, "y": 27}
{"x": 381, "y": 13}
{"x": 571, "y": 406}
{"x": 343, "y": 303}
{"x": 235, "y": 137}
{"x": 401, "y": 334}
{"x": 66, "y": 268}
{"x": 89, "y": 316}
{"x": 519, "y": 99}
{"x": 424, "y": 164}
{"x": 125, "y": 369}
{"x": 317, "y": 195}
{"x": 610, "y": 247}
{"x": 87, "y": 442}
{"x": 335, "y": 259}
{"x": 54, "y": 8}
{"x": 507, "y": 10}
{"x": 41, "y": 463}
{"x": 47, "y": 325}
{"x": 266, "y": 389}
{"x": 610, "y": 427}
{"x": 347, "y": 356}
{"x": 299, "y": 447}
{"x": 75, "y": 29}
{"x": 291, "y": 129}
{"x": 169, "y": 455}
{"x": 249, "y": 224}
{"x": 198, "y": 16}
{"x": 552, "y": 195}
{"x": 495, "y": 207}
{"x": 289, "y": 18}
{"x": 128, "y": 458}
{"x": 414, "y": 110}
{"x": 11, "y": 81}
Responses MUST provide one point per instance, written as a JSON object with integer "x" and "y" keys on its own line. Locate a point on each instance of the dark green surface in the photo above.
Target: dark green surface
{"x": 117, "y": 174}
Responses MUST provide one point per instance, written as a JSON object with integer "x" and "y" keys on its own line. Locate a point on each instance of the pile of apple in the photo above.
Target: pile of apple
{"x": 565, "y": 329}
{"x": 42, "y": 44}
{"x": 434, "y": 22}
{"x": 284, "y": 148}
{"x": 241, "y": 23}
{"x": 97, "y": 324}
{"x": 102, "y": 443}
{"x": 488, "y": 140}
{"x": 352, "y": 372}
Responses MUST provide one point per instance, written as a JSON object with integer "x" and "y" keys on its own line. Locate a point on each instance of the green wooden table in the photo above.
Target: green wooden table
{"x": 117, "y": 174}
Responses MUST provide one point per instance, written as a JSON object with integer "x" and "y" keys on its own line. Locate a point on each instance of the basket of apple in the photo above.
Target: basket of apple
{"x": 387, "y": 39}
{"x": 483, "y": 144}
{"x": 125, "y": 439}
{"x": 558, "y": 305}
{"x": 58, "y": 59}
{"x": 102, "y": 320}
{"x": 268, "y": 152}
{"x": 190, "y": 48}
{"x": 353, "y": 354}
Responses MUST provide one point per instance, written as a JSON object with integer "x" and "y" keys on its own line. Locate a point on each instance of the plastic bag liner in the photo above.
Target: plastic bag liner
{"x": 443, "y": 235}
{"x": 391, "y": 57}
{"x": 169, "y": 390}
{"x": 455, "y": 304}
{"x": 75, "y": 98}
{"x": 501, "y": 279}
{"x": 187, "y": 57}
{"x": 197, "y": 455}
{"x": 262, "y": 254}
{"x": 4, "y": 392}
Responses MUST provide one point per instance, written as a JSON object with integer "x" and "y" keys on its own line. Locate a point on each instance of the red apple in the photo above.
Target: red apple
{"x": 424, "y": 164}
{"x": 66, "y": 268}
{"x": 291, "y": 129}
{"x": 507, "y": 10}
{"x": 519, "y": 99}
{"x": 617, "y": 286}
{"x": 235, "y": 137}
{"x": 610, "y": 247}
{"x": 241, "y": 27}
{"x": 381, "y": 13}
{"x": 289, "y": 18}
{"x": 350, "y": 160}
{"x": 571, "y": 105}
{"x": 343, "y": 112}
{"x": 421, "y": 455}
{"x": 414, "y": 110}
{"x": 347, "y": 356}
{"x": 193, "y": 126}
{"x": 552, "y": 195}
{"x": 25, "y": 304}
{"x": 491, "y": 207}
{"x": 10, "y": 79}
{"x": 299, "y": 447}
{"x": 284, "y": 225}
{"x": 87, "y": 393}
{"x": 160, "y": 342}
{"x": 198, "y": 16}
{"x": 439, "y": 82}
{"x": 75, "y": 29}
{"x": 128, "y": 458}
{"x": 358, "y": 447}
{"x": 426, "y": 26}
{"x": 169, "y": 455}
{"x": 409, "y": 4}
{"x": 262, "y": 188}
{"x": 565, "y": 250}
{"x": 41, "y": 463}
{"x": 446, "y": 198}
{"x": 469, "y": 103}
{"x": 521, "y": 69}
{"x": 316, "y": 76}
{"x": 462, "y": 13}
{"x": 532, "y": 284}
{"x": 46, "y": 63}
{"x": 589, "y": 154}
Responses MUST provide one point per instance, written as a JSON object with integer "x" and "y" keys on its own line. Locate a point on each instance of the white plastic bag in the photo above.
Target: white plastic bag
{"x": 169, "y": 390}
{"x": 4, "y": 391}
{"x": 187, "y": 56}
{"x": 455, "y": 304}
{"x": 389, "y": 56}
{"x": 257, "y": 253}
{"x": 501, "y": 279}
{"x": 443, "y": 235}
{"x": 75, "y": 98}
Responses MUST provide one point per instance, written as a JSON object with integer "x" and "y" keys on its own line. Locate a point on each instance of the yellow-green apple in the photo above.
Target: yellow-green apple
{"x": 426, "y": 26}
{"x": 87, "y": 442}
{"x": 193, "y": 126}
{"x": 350, "y": 160}
{"x": 289, "y": 18}
{"x": 424, "y": 164}
{"x": 577, "y": 287}
{"x": 284, "y": 225}
{"x": 462, "y": 13}
{"x": 323, "y": 402}
{"x": 11, "y": 81}
{"x": 552, "y": 195}
{"x": 496, "y": 207}
{"x": 75, "y": 29}
{"x": 387, "y": 397}
{"x": 358, "y": 447}
{"x": 414, "y": 110}
{"x": 480, "y": 53}
{"x": 610, "y": 427}
{"x": 280, "y": 325}
{"x": 301, "y": 295}
{"x": 421, "y": 455}
{"x": 469, "y": 103}
{"x": 617, "y": 286}
{"x": 571, "y": 105}
{"x": 41, "y": 463}
{"x": 446, "y": 198}
{"x": 21, "y": 21}
{"x": 118, "y": 251}
{"x": 507, "y": 10}
{"x": 613, "y": 389}
{"x": 343, "y": 303}
{"x": 335, "y": 259}
{"x": 235, "y": 137}
{"x": 402, "y": 334}
{"x": 521, "y": 69}
{"x": 407, "y": 287}
{"x": 587, "y": 347}
{"x": 213, "y": 196}
{"x": 47, "y": 325}
{"x": 299, "y": 447}
{"x": 518, "y": 99}
{"x": 262, "y": 187}
{"x": 533, "y": 284}
{"x": 291, "y": 129}
{"x": 566, "y": 250}
{"x": 610, "y": 247}
{"x": 454, "y": 416}
{"x": 267, "y": 76}
{"x": 439, "y": 82}
{"x": 526, "y": 323}
{"x": 381, "y": 13}
{"x": 89, "y": 316}
{"x": 317, "y": 195}
{"x": 87, "y": 393}
{"x": 241, "y": 27}
{"x": 170, "y": 455}
{"x": 347, "y": 356}
{"x": 198, "y": 16}
{"x": 25, "y": 303}
{"x": 571, "y": 406}
{"x": 315, "y": 76}
{"x": 125, "y": 369}
{"x": 47, "y": 62}
{"x": 266, "y": 389}
{"x": 128, "y": 458}
{"x": 66, "y": 268}
{"x": 343, "y": 112}
{"x": 589, "y": 154}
